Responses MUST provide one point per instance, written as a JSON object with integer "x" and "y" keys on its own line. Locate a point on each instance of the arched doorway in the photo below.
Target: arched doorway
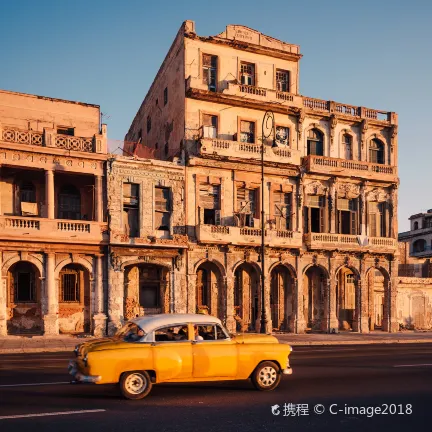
{"x": 378, "y": 294}
{"x": 146, "y": 290}
{"x": 346, "y": 293}
{"x": 74, "y": 299}
{"x": 246, "y": 297}
{"x": 209, "y": 290}
{"x": 315, "y": 280}
{"x": 281, "y": 298}
{"x": 23, "y": 306}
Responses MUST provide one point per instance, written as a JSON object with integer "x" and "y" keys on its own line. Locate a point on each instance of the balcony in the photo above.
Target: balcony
{"x": 247, "y": 235}
{"x": 33, "y": 229}
{"x": 349, "y": 168}
{"x": 237, "y": 149}
{"x": 263, "y": 94}
{"x": 349, "y": 242}
{"x": 50, "y": 139}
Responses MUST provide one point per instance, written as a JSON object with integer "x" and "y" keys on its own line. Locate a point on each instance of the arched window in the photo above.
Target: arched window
{"x": 28, "y": 192}
{"x": 315, "y": 143}
{"x": 347, "y": 147}
{"x": 419, "y": 245}
{"x": 376, "y": 151}
{"x": 416, "y": 225}
{"x": 69, "y": 200}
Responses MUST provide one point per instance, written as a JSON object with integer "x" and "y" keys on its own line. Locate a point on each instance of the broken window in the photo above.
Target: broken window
{"x": 376, "y": 219}
{"x": 210, "y": 126}
{"x": 209, "y": 202}
{"x": 282, "y": 135}
{"x": 347, "y": 216}
{"x": 282, "y": 210}
{"x": 347, "y": 146}
{"x": 148, "y": 124}
{"x": 282, "y": 80}
{"x": 165, "y": 95}
{"x": 247, "y": 131}
{"x": 64, "y": 130}
{"x": 246, "y": 206}
{"x": 162, "y": 208}
{"x": 131, "y": 209}
{"x": 376, "y": 151}
{"x": 69, "y": 200}
{"x": 315, "y": 143}
{"x": 314, "y": 214}
{"x": 247, "y": 73}
{"x": 209, "y": 67}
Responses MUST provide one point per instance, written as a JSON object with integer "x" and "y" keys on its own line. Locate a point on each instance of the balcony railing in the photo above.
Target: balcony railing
{"x": 47, "y": 139}
{"x": 237, "y": 149}
{"x": 56, "y": 230}
{"x": 348, "y": 242}
{"x": 328, "y": 165}
{"x": 246, "y": 235}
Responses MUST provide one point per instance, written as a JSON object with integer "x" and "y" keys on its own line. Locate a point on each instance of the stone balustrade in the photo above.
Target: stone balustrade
{"x": 246, "y": 235}
{"x": 237, "y": 149}
{"x": 344, "y": 167}
{"x": 56, "y": 230}
{"x": 349, "y": 242}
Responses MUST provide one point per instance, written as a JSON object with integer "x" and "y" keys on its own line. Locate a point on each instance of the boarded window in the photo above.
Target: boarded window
{"x": 347, "y": 146}
{"x": 246, "y": 200}
{"x": 209, "y": 202}
{"x": 376, "y": 219}
{"x": 209, "y": 68}
{"x": 162, "y": 208}
{"x": 282, "y": 80}
{"x": 247, "y": 73}
{"x": 282, "y": 210}
{"x": 376, "y": 151}
{"x": 247, "y": 131}
{"x": 210, "y": 126}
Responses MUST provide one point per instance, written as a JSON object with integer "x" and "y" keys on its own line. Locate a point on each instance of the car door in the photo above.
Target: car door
{"x": 172, "y": 356}
{"x": 215, "y": 355}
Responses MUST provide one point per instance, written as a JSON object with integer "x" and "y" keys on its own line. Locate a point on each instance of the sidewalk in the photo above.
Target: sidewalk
{"x": 37, "y": 344}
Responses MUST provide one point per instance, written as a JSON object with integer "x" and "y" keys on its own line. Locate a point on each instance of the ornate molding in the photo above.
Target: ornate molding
{"x": 378, "y": 195}
{"x": 363, "y": 129}
{"x": 333, "y": 124}
{"x": 348, "y": 190}
{"x": 315, "y": 188}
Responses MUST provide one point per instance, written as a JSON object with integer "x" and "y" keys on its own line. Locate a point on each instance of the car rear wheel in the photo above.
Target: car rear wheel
{"x": 135, "y": 385}
{"x": 266, "y": 376}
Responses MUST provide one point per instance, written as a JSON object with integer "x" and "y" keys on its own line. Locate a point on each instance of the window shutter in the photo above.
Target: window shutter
{"x": 217, "y": 217}
{"x": 322, "y": 220}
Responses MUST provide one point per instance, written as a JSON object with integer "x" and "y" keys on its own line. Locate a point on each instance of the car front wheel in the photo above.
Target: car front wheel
{"x": 266, "y": 376}
{"x": 135, "y": 385}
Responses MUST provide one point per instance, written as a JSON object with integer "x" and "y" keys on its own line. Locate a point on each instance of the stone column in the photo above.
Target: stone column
{"x": 191, "y": 294}
{"x": 330, "y": 309}
{"x": 51, "y": 325}
{"x": 390, "y": 323}
{"x": 230, "y": 320}
{"x": 49, "y": 193}
{"x": 99, "y": 318}
{"x": 98, "y": 199}
{"x": 115, "y": 295}
{"x": 300, "y": 322}
{"x": 332, "y": 205}
{"x": 3, "y": 301}
{"x": 269, "y": 326}
{"x": 362, "y": 308}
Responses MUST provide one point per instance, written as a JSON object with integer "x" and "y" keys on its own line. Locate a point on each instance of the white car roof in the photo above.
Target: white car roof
{"x": 150, "y": 322}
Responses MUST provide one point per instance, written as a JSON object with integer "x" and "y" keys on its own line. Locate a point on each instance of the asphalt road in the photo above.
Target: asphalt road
{"x": 334, "y": 378}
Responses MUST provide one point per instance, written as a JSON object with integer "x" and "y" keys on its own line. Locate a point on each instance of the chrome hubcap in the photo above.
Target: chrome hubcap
{"x": 267, "y": 376}
{"x": 135, "y": 383}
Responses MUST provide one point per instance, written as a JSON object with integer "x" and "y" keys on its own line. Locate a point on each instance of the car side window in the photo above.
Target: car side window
{"x": 220, "y": 334}
{"x": 209, "y": 332}
{"x": 172, "y": 333}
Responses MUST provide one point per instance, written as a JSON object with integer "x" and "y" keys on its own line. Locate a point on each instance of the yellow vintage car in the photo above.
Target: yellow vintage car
{"x": 179, "y": 348}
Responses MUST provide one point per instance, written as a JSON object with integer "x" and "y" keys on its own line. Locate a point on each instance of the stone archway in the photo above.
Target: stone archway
{"x": 146, "y": 290}
{"x": 246, "y": 297}
{"x": 23, "y": 304}
{"x": 210, "y": 290}
{"x": 74, "y": 290}
{"x": 346, "y": 297}
{"x": 281, "y": 298}
{"x": 315, "y": 282}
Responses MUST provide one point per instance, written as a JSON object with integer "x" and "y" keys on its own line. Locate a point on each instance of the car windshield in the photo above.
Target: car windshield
{"x": 130, "y": 332}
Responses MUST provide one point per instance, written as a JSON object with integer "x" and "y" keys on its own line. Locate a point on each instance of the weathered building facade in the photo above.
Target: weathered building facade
{"x": 330, "y": 189}
{"x": 147, "y": 238}
{"x": 53, "y": 230}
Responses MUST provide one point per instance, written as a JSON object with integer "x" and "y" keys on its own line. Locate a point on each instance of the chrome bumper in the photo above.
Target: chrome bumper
{"x": 79, "y": 377}
{"x": 287, "y": 371}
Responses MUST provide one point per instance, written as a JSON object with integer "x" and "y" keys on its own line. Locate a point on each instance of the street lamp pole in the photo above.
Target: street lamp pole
{"x": 268, "y": 128}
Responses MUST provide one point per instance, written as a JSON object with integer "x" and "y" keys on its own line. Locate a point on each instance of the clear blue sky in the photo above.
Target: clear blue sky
{"x": 370, "y": 53}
